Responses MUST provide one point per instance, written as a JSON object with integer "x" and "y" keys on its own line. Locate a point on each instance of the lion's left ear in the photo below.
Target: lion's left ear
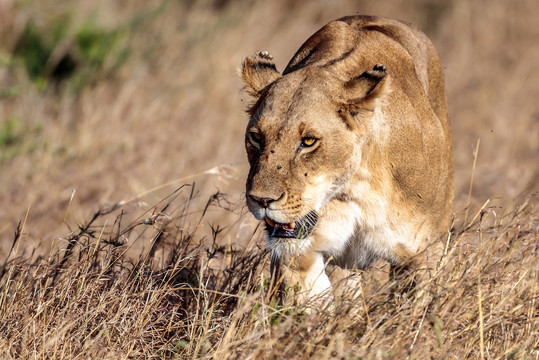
{"x": 257, "y": 72}
{"x": 366, "y": 89}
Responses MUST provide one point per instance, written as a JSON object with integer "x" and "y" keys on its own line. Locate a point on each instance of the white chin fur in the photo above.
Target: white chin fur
{"x": 287, "y": 246}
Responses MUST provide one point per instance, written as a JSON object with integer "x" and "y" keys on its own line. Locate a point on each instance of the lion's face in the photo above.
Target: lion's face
{"x": 303, "y": 142}
{"x": 300, "y": 151}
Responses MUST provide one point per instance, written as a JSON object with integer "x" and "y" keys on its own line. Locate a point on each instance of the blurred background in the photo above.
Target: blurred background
{"x": 102, "y": 101}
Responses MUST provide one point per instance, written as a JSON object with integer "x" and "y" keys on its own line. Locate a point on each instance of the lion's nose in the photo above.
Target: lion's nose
{"x": 265, "y": 201}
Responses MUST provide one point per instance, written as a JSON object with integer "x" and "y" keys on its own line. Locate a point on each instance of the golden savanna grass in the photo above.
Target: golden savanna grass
{"x": 123, "y": 231}
{"x": 91, "y": 300}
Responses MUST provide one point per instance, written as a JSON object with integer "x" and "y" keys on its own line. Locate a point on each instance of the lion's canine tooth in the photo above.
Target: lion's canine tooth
{"x": 270, "y": 222}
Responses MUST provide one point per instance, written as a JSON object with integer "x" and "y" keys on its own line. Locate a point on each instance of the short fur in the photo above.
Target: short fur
{"x": 370, "y": 92}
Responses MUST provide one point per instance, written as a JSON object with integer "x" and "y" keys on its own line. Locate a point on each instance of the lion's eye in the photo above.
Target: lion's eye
{"x": 255, "y": 138}
{"x": 308, "y": 142}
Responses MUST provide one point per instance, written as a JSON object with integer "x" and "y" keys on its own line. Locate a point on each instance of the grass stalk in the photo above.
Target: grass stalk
{"x": 476, "y": 152}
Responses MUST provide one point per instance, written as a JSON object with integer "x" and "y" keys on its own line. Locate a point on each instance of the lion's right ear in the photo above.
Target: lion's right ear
{"x": 257, "y": 72}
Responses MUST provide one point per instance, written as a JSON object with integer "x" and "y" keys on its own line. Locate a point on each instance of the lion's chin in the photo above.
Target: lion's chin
{"x": 296, "y": 230}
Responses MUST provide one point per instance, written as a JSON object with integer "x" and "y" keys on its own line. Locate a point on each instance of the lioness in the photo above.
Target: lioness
{"x": 349, "y": 148}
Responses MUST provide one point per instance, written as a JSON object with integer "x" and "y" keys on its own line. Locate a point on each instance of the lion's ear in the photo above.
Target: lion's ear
{"x": 257, "y": 72}
{"x": 364, "y": 90}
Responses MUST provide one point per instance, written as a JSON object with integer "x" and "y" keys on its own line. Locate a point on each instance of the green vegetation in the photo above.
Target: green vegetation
{"x": 10, "y": 133}
{"x": 55, "y": 52}
{"x": 11, "y": 138}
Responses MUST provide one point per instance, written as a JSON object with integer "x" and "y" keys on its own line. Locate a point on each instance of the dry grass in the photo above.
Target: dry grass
{"x": 95, "y": 271}
{"x": 92, "y": 300}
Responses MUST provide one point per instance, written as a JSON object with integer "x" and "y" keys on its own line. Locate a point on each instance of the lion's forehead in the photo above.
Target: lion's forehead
{"x": 295, "y": 114}
{"x": 299, "y": 89}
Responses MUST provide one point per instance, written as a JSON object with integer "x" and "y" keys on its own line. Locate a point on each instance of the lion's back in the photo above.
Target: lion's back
{"x": 417, "y": 109}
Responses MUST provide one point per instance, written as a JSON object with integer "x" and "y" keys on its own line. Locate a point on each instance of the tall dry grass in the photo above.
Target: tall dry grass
{"x": 110, "y": 262}
{"x": 91, "y": 300}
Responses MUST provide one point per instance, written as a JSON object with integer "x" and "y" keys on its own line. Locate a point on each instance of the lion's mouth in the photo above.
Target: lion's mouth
{"x": 298, "y": 230}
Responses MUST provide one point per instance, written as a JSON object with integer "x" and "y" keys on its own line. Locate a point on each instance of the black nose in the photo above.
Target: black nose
{"x": 264, "y": 201}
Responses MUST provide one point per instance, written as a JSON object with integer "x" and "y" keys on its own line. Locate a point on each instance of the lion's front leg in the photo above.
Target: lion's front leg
{"x": 308, "y": 271}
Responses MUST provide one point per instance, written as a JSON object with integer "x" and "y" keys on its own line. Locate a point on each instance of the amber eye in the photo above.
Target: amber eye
{"x": 308, "y": 142}
{"x": 255, "y": 138}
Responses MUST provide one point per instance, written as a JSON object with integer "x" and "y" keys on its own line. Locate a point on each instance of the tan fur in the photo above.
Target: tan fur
{"x": 370, "y": 91}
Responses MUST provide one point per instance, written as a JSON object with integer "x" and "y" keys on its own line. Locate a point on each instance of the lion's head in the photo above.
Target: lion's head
{"x": 304, "y": 139}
